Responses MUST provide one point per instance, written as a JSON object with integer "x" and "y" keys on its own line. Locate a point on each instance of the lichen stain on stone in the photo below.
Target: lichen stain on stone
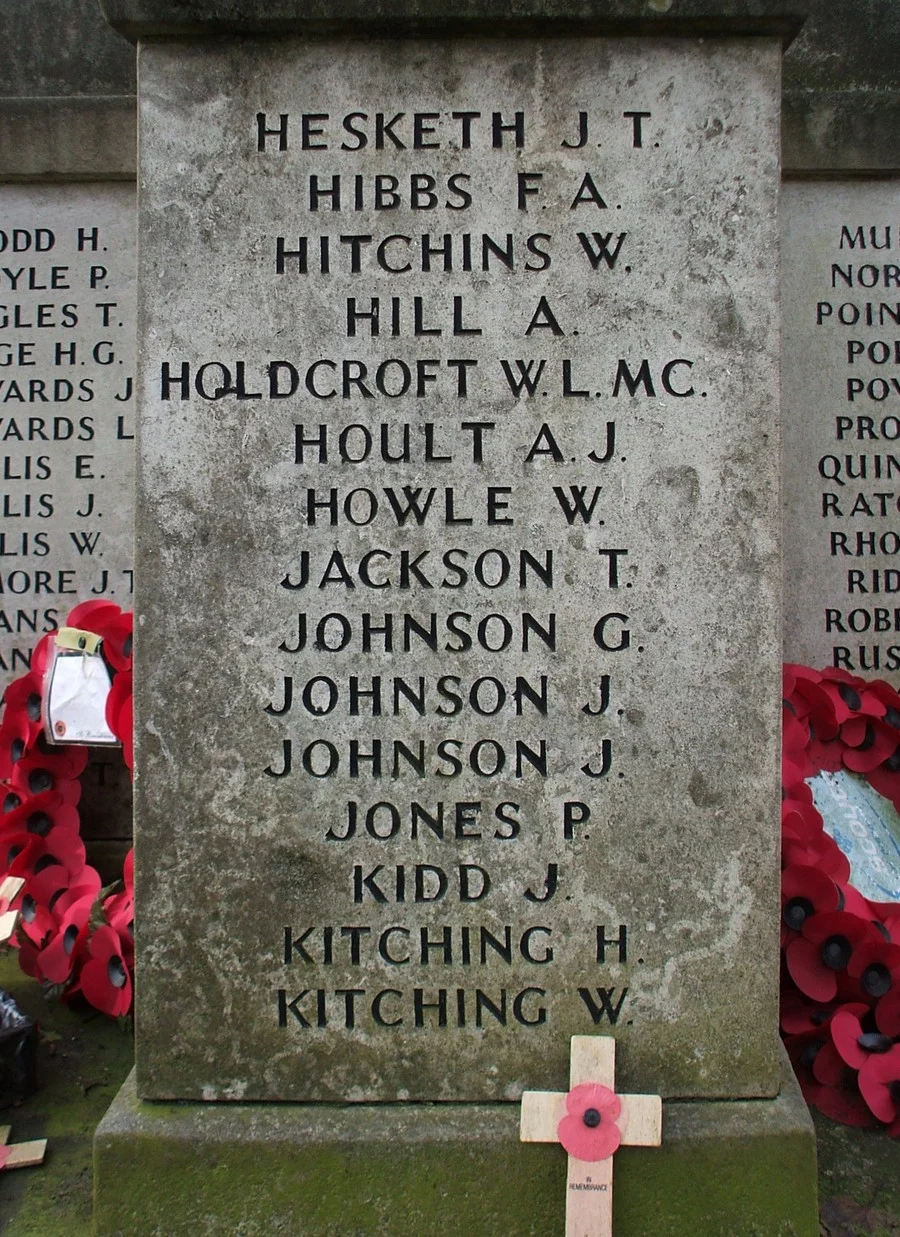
{"x": 726, "y": 889}
{"x": 672, "y": 495}
{"x": 701, "y": 793}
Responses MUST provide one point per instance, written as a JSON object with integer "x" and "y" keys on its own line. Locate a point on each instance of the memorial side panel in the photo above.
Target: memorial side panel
{"x": 66, "y": 406}
{"x": 458, "y": 567}
{"x": 841, "y": 383}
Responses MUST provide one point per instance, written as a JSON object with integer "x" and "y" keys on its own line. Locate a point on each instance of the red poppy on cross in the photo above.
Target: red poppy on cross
{"x": 591, "y": 1122}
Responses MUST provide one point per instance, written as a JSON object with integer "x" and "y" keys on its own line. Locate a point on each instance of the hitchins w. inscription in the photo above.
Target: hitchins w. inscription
{"x": 461, "y": 391}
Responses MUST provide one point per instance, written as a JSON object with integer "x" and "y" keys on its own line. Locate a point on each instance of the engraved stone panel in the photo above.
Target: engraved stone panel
{"x": 458, "y": 566}
{"x": 66, "y": 406}
{"x": 841, "y": 390}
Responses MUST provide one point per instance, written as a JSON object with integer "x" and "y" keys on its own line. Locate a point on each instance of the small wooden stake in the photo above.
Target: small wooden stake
{"x": 8, "y": 919}
{"x": 21, "y": 1155}
{"x": 26, "y": 1155}
{"x": 589, "y": 1203}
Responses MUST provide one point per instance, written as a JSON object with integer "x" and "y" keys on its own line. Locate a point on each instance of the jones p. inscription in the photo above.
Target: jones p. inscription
{"x": 451, "y": 421}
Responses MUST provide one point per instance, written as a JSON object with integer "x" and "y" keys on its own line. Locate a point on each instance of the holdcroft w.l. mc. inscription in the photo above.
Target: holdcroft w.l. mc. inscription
{"x": 458, "y": 541}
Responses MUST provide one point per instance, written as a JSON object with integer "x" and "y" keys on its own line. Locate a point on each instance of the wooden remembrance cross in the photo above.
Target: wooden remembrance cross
{"x": 592, "y": 1071}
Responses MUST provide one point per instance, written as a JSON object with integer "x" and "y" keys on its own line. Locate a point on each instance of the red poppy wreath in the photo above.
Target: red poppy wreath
{"x": 72, "y": 935}
{"x": 840, "y": 975}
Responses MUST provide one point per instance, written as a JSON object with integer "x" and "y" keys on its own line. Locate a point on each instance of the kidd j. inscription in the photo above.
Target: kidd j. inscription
{"x": 66, "y": 400}
{"x": 458, "y": 567}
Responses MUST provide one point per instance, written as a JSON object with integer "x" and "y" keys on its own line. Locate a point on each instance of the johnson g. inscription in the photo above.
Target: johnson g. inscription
{"x": 448, "y": 413}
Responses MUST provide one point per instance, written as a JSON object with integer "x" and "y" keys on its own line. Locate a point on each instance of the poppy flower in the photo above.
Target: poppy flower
{"x": 844, "y": 1104}
{"x": 879, "y": 1084}
{"x": 805, "y": 891}
{"x": 803, "y": 1049}
{"x": 800, "y": 1016}
{"x": 37, "y": 922}
{"x": 119, "y": 714}
{"x": 58, "y": 959}
{"x": 589, "y": 1131}
{"x": 868, "y": 703}
{"x": 877, "y": 967}
{"x": 801, "y": 819}
{"x": 39, "y": 814}
{"x": 826, "y": 755}
{"x": 795, "y": 734}
{"x": 886, "y": 779}
{"x": 870, "y": 743}
{"x": 821, "y": 852}
{"x": 887, "y": 1014}
{"x": 823, "y": 950}
{"x": 813, "y": 702}
{"x": 21, "y": 724}
{"x": 854, "y": 1036}
{"x": 119, "y": 910}
{"x": 105, "y": 980}
{"x": 42, "y": 771}
{"x": 26, "y": 853}
{"x": 47, "y": 897}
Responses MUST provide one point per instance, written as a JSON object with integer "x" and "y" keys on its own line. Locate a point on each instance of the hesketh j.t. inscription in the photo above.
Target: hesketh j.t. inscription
{"x": 462, "y": 383}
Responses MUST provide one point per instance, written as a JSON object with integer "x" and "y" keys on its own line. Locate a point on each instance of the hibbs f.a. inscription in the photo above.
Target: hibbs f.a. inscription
{"x": 460, "y": 414}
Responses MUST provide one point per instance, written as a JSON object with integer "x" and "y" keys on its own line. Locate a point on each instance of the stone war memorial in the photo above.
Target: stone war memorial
{"x": 457, "y": 614}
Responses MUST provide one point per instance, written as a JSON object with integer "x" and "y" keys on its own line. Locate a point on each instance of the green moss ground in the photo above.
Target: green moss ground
{"x": 84, "y": 1059}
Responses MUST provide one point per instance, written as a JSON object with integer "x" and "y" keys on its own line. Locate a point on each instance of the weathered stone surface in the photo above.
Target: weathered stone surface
{"x": 666, "y": 734}
{"x": 841, "y": 102}
{"x": 66, "y": 423}
{"x": 841, "y": 265}
{"x": 105, "y": 808}
{"x": 746, "y": 1167}
{"x": 62, "y": 47}
{"x": 67, "y": 109}
{"x": 68, "y": 139}
{"x": 143, "y": 19}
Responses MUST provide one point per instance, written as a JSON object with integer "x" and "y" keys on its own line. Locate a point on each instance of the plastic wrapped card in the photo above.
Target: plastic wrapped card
{"x": 866, "y": 826}
{"x": 76, "y": 686}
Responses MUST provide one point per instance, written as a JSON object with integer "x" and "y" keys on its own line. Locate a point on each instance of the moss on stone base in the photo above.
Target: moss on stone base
{"x": 456, "y": 1170}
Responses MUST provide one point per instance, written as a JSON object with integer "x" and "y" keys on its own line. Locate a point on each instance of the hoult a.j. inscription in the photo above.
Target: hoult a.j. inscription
{"x": 457, "y": 537}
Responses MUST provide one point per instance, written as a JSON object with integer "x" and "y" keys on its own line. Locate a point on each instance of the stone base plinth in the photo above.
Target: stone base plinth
{"x": 310, "y": 1170}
